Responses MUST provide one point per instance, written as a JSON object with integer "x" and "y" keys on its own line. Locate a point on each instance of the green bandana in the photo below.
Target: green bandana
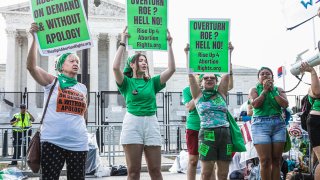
{"x": 127, "y": 67}
{"x": 66, "y": 81}
{"x": 207, "y": 94}
{"x": 61, "y": 60}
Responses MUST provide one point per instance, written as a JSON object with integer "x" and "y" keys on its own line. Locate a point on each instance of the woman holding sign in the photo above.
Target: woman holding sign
{"x": 268, "y": 128}
{"x": 63, "y": 132}
{"x": 140, "y": 130}
{"x": 214, "y": 135}
{"x": 193, "y": 126}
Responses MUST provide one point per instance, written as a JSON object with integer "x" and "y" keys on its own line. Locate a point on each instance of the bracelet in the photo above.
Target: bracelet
{"x": 122, "y": 44}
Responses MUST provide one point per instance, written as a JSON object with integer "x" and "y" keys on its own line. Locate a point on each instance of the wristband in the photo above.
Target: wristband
{"x": 122, "y": 44}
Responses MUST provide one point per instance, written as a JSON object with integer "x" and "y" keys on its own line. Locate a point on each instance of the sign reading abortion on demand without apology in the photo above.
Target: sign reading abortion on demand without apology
{"x": 208, "y": 39}
{"x": 62, "y": 26}
{"x": 147, "y": 24}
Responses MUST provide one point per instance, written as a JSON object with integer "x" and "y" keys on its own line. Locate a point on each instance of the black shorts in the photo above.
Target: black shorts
{"x": 313, "y": 123}
{"x": 219, "y": 147}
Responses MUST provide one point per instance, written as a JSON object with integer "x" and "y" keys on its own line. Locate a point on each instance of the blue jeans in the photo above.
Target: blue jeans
{"x": 268, "y": 129}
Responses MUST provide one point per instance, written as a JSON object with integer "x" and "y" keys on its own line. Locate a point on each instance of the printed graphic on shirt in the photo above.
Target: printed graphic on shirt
{"x": 71, "y": 101}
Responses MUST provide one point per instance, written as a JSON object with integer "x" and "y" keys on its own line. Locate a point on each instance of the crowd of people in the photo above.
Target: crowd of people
{"x": 209, "y": 127}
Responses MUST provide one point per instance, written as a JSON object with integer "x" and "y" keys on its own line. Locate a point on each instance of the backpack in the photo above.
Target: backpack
{"x": 305, "y": 110}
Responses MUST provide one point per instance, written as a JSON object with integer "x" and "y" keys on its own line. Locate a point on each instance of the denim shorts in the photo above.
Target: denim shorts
{"x": 268, "y": 129}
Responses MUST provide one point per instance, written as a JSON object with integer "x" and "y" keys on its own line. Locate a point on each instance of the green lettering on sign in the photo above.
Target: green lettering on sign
{"x": 62, "y": 26}
{"x": 147, "y": 24}
{"x": 209, "y": 40}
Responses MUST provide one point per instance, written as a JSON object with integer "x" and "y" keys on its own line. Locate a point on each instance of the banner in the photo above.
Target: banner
{"x": 208, "y": 39}
{"x": 62, "y": 26}
{"x": 147, "y": 24}
{"x": 297, "y": 12}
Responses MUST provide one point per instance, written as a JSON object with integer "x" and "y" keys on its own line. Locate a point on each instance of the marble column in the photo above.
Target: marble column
{"x": 94, "y": 66}
{"x": 31, "y": 83}
{"x": 51, "y": 65}
{"x": 149, "y": 55}
{"x": 10, "y": 82}
{"x": 19, "y": 65}
{"x": 113, "y": 39}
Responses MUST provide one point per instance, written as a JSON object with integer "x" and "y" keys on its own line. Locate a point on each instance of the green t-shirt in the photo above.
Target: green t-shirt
{"x": 270, "y": 106}
{"x": 140, "y": 95}
{"x": 193, "y": 119}
{"x": 315, "y": 103}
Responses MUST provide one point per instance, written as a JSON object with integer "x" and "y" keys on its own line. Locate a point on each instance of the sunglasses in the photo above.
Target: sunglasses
{"x": 265, "y": 74}
{"x": 209, "y": 77}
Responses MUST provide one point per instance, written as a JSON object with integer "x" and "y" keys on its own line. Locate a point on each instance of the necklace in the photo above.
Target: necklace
{"x": 135, "y": 91}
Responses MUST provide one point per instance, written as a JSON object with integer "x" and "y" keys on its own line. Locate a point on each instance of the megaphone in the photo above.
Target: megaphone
{"x": 312, "y": 61}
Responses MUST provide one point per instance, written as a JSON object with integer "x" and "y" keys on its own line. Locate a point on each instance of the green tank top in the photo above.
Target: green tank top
{"x": 270, "y": 107}
{"x": 315, "y": 103}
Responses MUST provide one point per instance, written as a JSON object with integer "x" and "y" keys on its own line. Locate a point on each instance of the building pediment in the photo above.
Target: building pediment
{"x": 107, "y": 8}
{"x": 21, "y": 7}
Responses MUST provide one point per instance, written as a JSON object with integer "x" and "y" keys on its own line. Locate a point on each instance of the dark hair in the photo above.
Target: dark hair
{"x": 135, "y": 60}
{"x": 23, "y": 106}
{"x": 263, "y": 68}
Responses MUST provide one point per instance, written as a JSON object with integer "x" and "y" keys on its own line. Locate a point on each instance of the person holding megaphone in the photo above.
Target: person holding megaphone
{"x": 313, "y": 121}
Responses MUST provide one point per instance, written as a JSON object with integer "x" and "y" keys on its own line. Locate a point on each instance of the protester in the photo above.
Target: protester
{"x": 313, "y": 121}
{"x": 268, "y": 128}
{"x": 140, "y": 129}
{"x": 21, "y": 123}
{"x": 214, "y": 134}
{"x": 193, "y": 127}
{"x": 63, "y": 133}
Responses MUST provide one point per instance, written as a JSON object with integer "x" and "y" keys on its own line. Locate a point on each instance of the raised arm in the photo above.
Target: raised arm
{"x": 226, "y": 83}
{"x": 315, "y": 84}
{"x": 165, "y": 75}
{"x": 230, "y": 85}
{"x": 119, "y": 55}
{"x": 40, "y": 76}
{"x": 281, "y": 98}
{"x": 194, "y": 85}
{"x": 31, "y": 117}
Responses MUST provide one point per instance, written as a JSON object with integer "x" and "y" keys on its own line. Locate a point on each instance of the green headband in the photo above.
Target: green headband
{"x": 127, "y": 67}
{"x": 61, "y": 60}
{"x": 216, "y": 75}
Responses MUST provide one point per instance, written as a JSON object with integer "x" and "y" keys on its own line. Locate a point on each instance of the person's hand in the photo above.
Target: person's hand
{"x": 305, "y": 67}
{"x": 268, "y": 85}
{"x": 186, "y": 49}
{"x": 169, "y": 38}
{"x": 34, "y": 28}
{"x": 230, "y": 47}
{"x": 124, "y": 35}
